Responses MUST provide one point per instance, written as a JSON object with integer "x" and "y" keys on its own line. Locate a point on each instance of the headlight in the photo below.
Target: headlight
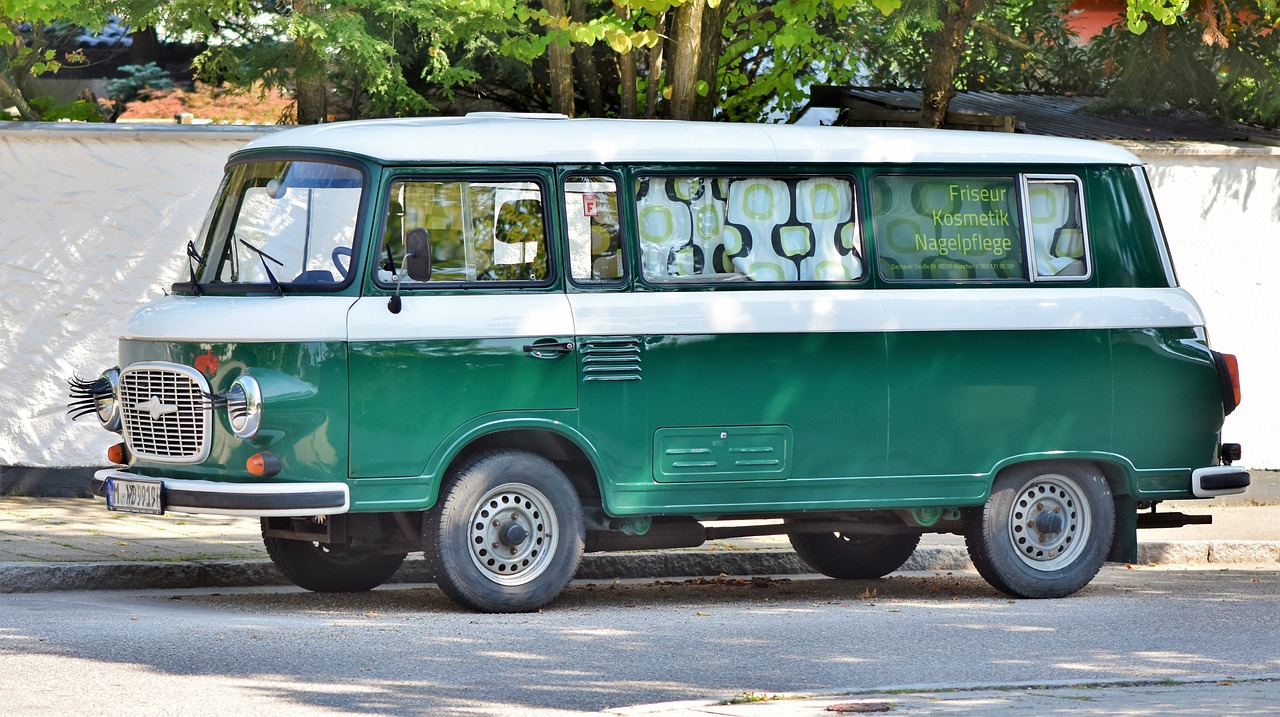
{"x": 244, "y": 407}
{"x": 107, "y": 405}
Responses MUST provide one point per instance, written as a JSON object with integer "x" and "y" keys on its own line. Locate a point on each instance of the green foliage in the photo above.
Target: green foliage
{"x": 1013, "y": 45}
{"x": 50, "y": 110}
{"x": 385, "y": 52}
{"x": 1173, "y": 67}
{"x": 137, "y": 81}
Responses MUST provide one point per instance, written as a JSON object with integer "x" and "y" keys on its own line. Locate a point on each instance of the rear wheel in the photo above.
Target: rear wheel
{"x": 330, "y": 569}
{"x": 1044, "y": 532}
{"x": 851, "y": 556}
{"x": 506, "y": 534}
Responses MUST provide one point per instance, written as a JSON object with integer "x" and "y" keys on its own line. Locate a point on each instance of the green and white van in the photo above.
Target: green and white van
{"x": 507, "y": 340}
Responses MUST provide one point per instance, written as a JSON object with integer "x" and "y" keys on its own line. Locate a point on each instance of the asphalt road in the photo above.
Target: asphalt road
{"x": 410, "y": 651}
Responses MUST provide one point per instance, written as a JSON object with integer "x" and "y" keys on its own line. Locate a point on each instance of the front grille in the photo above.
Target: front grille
{"x": 164, "y": 411}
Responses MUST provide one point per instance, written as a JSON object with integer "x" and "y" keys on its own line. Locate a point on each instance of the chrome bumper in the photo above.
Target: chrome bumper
{"x": 249, "y": 499}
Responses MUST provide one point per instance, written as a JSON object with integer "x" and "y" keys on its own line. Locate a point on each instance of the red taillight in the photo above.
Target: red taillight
{"x": 1229, "y": 375}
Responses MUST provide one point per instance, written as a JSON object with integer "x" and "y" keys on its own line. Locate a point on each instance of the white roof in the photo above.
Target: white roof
{"x": 489, "y": 138}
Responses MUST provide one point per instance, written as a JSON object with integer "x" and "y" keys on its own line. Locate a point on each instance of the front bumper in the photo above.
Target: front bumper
{"x": 249, "y": 499}
{"x": 1218, "y": 480}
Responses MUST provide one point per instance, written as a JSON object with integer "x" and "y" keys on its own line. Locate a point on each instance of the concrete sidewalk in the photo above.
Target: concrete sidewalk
{"x": 77, "y": 544}
{"x": 1219, "y": 696}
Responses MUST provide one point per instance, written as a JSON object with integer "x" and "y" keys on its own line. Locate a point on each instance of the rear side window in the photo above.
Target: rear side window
{"x": 490, "y": 231}
{"x": 940, "y": 228}
{"x": 1056, "y": 221}
{"x": 748, "y": 229}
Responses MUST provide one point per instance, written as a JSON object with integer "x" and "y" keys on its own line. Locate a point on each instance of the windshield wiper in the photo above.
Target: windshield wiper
{"x": 263, "y": 256}
{"x": 193, "y": 254}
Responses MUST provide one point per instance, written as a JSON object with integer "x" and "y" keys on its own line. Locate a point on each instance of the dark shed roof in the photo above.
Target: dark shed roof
{"x": 1049, "y": 115}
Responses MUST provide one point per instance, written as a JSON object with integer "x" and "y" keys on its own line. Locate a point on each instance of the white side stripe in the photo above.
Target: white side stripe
{"x": 533, "y": 315}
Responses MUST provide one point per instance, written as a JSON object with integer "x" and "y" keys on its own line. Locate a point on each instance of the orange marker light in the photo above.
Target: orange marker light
{"x": 263, "y": 465}
{"x": 118, "y": 454}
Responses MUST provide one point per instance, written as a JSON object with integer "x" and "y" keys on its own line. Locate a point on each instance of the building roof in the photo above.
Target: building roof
{"x": 1048, "y": 115}
{"x": 489, "y": 138}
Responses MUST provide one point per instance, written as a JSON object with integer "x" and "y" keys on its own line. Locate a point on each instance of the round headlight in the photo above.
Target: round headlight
{"x": 244, "y": 407}
{"x": 107, "y": 405}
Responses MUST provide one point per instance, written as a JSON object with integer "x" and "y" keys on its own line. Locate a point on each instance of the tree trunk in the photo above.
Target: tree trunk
{"x": 709, "y": 59}
{"x": 654, "y": 90}
{"x": 687, "y": 47}
{"x": 560, "y": 57}
{"x": 626, "y": 70}
{"x": 588, "y": 72}
{"x": 11, "y": 95}
{"x": 310, "y": 79}
{"x": 145, "y": 46}
{"x": 945, "y": 47}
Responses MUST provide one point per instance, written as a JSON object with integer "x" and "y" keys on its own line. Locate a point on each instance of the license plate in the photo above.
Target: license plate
{"x": 135, "y": 496}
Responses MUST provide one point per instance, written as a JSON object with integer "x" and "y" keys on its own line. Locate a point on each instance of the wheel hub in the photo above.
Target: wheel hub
{"x": 1049, "y": 523}
{"x": 512, "y": 537}
{"x": 512, "y": 534}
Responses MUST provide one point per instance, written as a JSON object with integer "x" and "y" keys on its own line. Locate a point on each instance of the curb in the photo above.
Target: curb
{"x": 52, "y": 577}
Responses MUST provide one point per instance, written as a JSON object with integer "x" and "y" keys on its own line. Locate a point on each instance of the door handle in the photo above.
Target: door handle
{"x": 549, "y": 350}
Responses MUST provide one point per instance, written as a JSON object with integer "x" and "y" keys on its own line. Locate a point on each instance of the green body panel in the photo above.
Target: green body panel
{"x": 1168, "y": 406}
{"x": 407, "y": 396}
{"x": 1124, "y": 250}
{"x": 962, "y": 401}
{"x": 304, "y": 390}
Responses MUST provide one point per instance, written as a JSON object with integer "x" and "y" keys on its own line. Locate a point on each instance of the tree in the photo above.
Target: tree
{"x": 27, "y": 51}
{"x": 310, "y": 47}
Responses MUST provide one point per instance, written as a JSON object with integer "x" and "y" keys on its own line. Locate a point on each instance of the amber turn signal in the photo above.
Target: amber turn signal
{"x": 118, "y": 454}
{"x": 263, "y": 465}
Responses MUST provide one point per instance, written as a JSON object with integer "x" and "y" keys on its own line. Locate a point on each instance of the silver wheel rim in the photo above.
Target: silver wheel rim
{"x": 512, "y": 535}
{"x": 1049, "y": 522}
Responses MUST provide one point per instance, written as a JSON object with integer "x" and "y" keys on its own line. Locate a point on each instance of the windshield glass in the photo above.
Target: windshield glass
{"x": 289, "y": 223}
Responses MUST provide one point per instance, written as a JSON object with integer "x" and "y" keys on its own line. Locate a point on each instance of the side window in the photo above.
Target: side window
{"x": 764, "y": 229}
{"x": 939, "y": 228}
{"x": 479, "y": 231}
{"x": 1057, "y": 228}
{"x": 595, "y": 236}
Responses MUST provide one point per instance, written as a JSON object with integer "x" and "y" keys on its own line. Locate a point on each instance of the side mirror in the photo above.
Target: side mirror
{"x": 417, "y": 254}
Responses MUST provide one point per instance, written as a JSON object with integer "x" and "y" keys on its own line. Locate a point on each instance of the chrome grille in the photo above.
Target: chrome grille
{"x": 164, "y": 411}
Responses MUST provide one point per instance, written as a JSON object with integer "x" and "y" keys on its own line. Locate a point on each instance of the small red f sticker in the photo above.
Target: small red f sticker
{"x": 590, "y": 205}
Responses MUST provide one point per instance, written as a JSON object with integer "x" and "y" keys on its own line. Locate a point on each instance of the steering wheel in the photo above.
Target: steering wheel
{"x": 336, "y": 258}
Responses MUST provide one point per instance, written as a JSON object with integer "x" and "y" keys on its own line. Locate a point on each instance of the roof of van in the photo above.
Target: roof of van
{"x": 486, "y": 138}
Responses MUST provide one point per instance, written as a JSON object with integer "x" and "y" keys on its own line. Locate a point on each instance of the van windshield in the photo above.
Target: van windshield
{"x": 281, "y": 224}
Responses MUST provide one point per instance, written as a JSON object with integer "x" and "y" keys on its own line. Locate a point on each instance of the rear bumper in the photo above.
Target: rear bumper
{"x": 1218, "y": 480}
{"x": 249, "y": 499}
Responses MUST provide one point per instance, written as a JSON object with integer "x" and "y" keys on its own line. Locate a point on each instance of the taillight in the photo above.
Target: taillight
{"x": 1229, "y": 378}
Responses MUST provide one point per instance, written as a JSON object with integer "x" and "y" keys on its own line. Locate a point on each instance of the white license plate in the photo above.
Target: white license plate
{"x": 135, "y": 496}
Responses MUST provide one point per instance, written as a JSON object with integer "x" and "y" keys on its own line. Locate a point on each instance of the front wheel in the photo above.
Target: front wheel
{"x": 331, "y": 569}
{"x": 1044, "y": 532}
{"x": 506, "y": 534}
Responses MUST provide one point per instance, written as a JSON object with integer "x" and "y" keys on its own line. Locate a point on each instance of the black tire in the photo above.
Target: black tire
{"x": 852, "y": 556}
{"x": 1045, "y": 531}
{"x": 325, "y": 569}
{"x": 506, "y": 534}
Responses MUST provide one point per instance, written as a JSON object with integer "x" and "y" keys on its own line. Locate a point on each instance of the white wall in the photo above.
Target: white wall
{"x": 1220, "y": 207}
{"x": 92, "y": 224}
{"x": 94, "y": 220}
